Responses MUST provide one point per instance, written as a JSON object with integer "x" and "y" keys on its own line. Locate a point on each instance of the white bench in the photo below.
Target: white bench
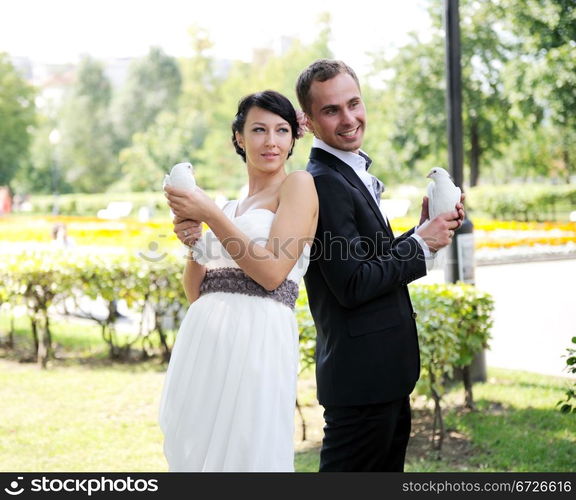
{"x": 115, "y": 210}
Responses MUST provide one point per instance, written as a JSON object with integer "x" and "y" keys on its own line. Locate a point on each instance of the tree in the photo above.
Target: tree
{"x": 152, "y": 86}
{"x": 199, "y": 130}
{"x": 175, "y": 135}
{"x": 18, "y": 116}
{"x": 199, "y": 79}
{"x": 541, "y": 81}
{"x": 406, "y": 111}
{"x": 37, "y": 174}
{"x": 417, "y": 87}
{"x": 171, "y": 139}
{"x": 86, "y": 155}
{"x": 219, "y": 167}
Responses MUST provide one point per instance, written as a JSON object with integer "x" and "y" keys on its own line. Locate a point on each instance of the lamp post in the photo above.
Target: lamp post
{"x": 460, "y": 266}
{"x": 54, "y": 139}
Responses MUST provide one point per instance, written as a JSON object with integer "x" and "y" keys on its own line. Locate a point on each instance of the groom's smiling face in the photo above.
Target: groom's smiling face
{"x": 337, "y": 112}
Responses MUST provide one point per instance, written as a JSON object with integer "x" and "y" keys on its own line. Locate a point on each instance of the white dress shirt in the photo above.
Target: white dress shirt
{"x": 358, "y": 163}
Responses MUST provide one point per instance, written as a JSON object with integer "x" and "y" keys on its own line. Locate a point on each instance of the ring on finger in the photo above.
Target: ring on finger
{"x": 185, "y": 233}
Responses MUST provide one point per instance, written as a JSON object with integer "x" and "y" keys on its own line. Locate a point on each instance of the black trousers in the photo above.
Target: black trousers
{"x": 371, "y": 438}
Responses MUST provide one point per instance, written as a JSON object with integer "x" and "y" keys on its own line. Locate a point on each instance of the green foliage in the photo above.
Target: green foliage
{"x": 454, "y": 323}
{"x": 412, "y": 105}
{"x": 37, "y": 174}
{"x": 153, "y": 86}
{"x": 414, "y": 89}
{"x": 542, "y": 82}
{"x": 37, "y": 282}
{"x": 17, "y": 110}
{"x": 43, "y": 279}
{"x": 568, "y": 404}
{"x": 218, "y": 166}
{"x": 171, "y": 139}
{"x": 86, "y": 156}
{"x": 89, "y": 204}
{"x": 306, "y": 329}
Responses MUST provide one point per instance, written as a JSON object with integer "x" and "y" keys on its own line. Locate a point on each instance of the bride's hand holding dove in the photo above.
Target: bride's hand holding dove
{"x": 190, "y": 204}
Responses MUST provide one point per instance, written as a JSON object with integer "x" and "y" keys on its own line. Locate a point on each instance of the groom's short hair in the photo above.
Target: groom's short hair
{"x": 319, "y": 71}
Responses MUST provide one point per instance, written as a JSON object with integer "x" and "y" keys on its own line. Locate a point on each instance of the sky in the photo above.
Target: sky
{"x": 55, "y": 31}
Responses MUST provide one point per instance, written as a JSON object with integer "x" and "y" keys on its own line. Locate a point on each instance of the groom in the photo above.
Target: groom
{"x": 367, "y": 357}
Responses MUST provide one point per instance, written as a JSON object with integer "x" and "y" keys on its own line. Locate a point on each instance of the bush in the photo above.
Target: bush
{"x": 454, "y": 322}
{"x": 43, "y": 279}
{"x": 568, "y": 404}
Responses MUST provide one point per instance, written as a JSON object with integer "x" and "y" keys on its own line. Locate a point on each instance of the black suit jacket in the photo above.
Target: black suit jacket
{"x": 366, "y": 345}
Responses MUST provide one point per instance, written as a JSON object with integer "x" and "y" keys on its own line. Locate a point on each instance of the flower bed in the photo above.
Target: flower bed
{"x": 491, "y": 234}
{"x": 131, "y": 233}
{"x": 88, "y": 231}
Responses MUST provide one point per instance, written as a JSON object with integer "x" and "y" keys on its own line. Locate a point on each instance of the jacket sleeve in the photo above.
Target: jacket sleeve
{"x": 352, "y": 278}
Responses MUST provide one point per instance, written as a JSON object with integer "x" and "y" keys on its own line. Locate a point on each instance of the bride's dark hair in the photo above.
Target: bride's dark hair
{"x": 270, "y": 100}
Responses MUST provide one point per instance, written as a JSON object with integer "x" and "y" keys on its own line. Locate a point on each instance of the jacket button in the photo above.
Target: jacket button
{"x": 414, "y": 315}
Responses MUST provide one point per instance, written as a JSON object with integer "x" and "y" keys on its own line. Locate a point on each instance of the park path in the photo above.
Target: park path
{"x": 535, "y": 313}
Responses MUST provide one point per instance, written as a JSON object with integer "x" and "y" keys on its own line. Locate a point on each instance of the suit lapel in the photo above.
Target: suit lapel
{"x": 348, "y": 173}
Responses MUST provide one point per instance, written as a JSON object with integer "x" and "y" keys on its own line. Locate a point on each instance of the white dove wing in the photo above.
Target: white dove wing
{"x": 445, "y": 196}
{"x": 182, "y": 178}
{"x": 431, "y": 208}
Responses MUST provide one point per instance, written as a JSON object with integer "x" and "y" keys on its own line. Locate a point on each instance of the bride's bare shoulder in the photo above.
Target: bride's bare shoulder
{"x": 299, "y": 179}
{"x": 298, "y": 188}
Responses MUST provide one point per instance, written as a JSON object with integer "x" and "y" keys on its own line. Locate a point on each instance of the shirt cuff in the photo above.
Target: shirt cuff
{"x": 427, "y": 253}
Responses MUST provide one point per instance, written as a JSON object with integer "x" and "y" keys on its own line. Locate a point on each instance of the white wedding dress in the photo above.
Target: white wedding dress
{"x": 229, "y": 395}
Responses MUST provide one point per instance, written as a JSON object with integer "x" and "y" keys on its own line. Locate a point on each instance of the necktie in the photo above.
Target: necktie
{"x": 377, "y": 188}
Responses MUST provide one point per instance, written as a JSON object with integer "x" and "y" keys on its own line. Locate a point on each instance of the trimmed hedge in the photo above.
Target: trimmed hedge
{"x": 89, "y": 204}
{"x": 454, "y": 321}
{"x": 522, "y": 202}
{"x": 41, "y": 280}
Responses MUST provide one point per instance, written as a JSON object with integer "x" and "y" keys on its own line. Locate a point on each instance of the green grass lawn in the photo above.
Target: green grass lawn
{"x": 80, "y": 418}
{"x": 103, "y": 418}
{"x": 93, "y": 415}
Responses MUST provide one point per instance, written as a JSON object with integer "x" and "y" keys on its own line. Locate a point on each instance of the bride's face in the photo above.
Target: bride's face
{"x": 266, "y": 139}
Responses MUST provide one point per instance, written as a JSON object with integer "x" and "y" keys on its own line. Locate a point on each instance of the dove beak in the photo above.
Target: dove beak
{"x": 429, "y": 176}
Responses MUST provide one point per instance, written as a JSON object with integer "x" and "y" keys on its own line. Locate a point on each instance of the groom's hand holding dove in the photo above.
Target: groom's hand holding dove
{"x": 442, "y": 211}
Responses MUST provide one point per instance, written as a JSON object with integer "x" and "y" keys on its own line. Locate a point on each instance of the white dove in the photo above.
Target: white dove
{"x": 443, "y": 195}
{"x": 182, "y": 177}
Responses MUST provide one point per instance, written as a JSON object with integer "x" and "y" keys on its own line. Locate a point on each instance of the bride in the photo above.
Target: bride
{"x": 230, "y": 390}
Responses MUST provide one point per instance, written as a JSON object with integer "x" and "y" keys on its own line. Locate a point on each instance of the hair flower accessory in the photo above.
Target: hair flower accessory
{"x": 302, "y": 121}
